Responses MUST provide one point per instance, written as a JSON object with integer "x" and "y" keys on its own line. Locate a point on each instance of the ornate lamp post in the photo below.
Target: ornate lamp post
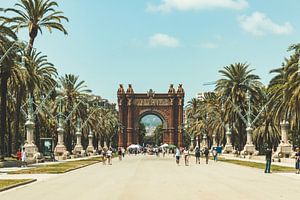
{"x": 228, "y": 147}
{"x": 90, "y": 149}
{"x": 78, "y": 147}
{"x": 30, "y": 147}
{"x": 205, "y": 140}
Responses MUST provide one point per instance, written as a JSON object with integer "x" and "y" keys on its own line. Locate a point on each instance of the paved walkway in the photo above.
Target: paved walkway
{"x": 149, "y": 177}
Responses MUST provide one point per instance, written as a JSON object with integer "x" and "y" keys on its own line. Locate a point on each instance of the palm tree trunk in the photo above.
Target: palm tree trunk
{"x": 31, "y": 41}
{"x": 4, "y": 79}
{"x": 37, "y": 124}
{"x": 10, "y": 144}
{"x": 17, "y": 136}
{"x": 68, "y": 138}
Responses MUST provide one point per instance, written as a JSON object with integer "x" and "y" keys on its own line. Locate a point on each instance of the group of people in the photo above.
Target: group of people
{"x": 22, "y": 158}
{"x": 186, "y": 155}
{"x": 269, "y": 160}
{"x": 107, "y": 155}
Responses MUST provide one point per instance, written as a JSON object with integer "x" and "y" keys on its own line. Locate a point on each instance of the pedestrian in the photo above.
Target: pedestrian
{"x": 109, "y": 156}
{"x": 163, "y": 151}
{"x": 104, "y": 156}
{"x": 215, "y": 154}
{"x": 206, "y": 152}
{"x": 268, "y": 160}
{"x": 197, "y": 155}
{"x": 19, "y": 158}
{"x": 177, "y": 155}
{"x": 186, "y": 156}
{"x": 24, "y": 158}
{"x": 123, "y": 152}
{"x": 120, "y": 153}
{"x": 297, "y": 161}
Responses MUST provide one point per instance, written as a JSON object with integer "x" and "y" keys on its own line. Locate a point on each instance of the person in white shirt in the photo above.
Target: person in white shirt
{"x": 109, "y": 156}
{"x": 24, "y": 163}
{"x": 186, "y": 156}
{"x": 177, "y": 155}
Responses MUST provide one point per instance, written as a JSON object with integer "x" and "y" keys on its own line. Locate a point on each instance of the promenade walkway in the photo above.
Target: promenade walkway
{"x": 150, "y": 177}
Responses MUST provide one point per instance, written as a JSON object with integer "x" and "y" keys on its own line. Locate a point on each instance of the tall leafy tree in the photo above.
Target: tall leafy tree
{"x": 7, "y": 39}
{"x": 73, "y": 91}
{"x": 237, "y": 80}
{"x": 35, "y": 15}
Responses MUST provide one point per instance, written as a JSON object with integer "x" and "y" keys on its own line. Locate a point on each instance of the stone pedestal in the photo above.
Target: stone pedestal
{"x": 78, "y": 147}
{"x": 249, "y": 148}
{"x": 197, "y": 141}
{"x": 228, "y": 147}
{"x": 30, "y": 148}
{"x": 90, "y": 149}
{"x": 214, "y": 144}
{"x": 284, "y": 149}
{"x": 60, "y": 150}
{"x": 105, "y": 145}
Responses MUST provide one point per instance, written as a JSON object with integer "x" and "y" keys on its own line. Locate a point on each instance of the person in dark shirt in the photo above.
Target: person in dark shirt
{"x": 297, "y": 157}
{"x": 197, "y": 155}
{"x": 206, "y": 153}
{"x": 268, "y": 160}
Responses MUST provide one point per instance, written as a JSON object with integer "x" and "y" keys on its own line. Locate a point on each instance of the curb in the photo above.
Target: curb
{"x": 17, "y": 185}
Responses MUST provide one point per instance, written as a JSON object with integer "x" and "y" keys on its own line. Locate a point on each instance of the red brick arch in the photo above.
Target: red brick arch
{"x": 167, "y": 106}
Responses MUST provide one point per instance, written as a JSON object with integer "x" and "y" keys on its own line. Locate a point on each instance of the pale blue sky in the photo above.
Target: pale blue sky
{"x": 154, "y": 43}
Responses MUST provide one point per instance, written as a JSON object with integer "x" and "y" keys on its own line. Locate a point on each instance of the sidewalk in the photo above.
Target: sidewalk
{"x": 285, "y": 162}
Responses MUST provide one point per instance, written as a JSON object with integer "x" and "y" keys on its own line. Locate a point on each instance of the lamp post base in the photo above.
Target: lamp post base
{"x": 228, "y": 148}
{"x": 30, "y": 150}
{"x": 90, "y": 150}
{"x": 284, "y": 150}
{"x": 77, "y": 151}
{"x": 249, "y": 149}
{"x": 61, "y": 152}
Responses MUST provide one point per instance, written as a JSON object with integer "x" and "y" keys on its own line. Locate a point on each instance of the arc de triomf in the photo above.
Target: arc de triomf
{"x": 167, "y": 106}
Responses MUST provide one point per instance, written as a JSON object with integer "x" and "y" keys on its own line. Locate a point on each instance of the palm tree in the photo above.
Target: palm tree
{"x": 7, "y": 39}
{"x": 284, "y": 92}
{"x": 40, "y": 80}
{"x": 73, "y": 91}
{"x": 35, "y": 15}
{"x": 237, "y": 79}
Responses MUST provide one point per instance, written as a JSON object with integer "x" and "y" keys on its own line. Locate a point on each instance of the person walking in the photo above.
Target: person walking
{"x": 120, "y": 153}
{"x": 104, "y": 156}
{"x": 206, "y": 153}
{"x": 297, "y": 157}
{"x": 186, "y": 156}
{"x": 19, "y": 158}
{"x": 24, "y": 158}
{"x": 177, "y": 155}
{"x": 109, "y": 156}
{"x": 123, "y": 152}
{"x": 215, "y": 154}
{"x": 197, "y": 155}
{"x": 268, "y": 160}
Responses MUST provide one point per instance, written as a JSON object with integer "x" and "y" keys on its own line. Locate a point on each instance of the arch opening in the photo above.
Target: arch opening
{"x": 151, "y": 129}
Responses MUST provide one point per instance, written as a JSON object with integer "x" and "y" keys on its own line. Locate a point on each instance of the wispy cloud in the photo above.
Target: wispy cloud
{"x": 259, "y": 24}
{"x": 164, "y": 40}
{"x": 186, "y": 5}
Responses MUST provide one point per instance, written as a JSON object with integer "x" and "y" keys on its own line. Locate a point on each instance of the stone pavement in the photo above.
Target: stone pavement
{"x": 150, "y": 177}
